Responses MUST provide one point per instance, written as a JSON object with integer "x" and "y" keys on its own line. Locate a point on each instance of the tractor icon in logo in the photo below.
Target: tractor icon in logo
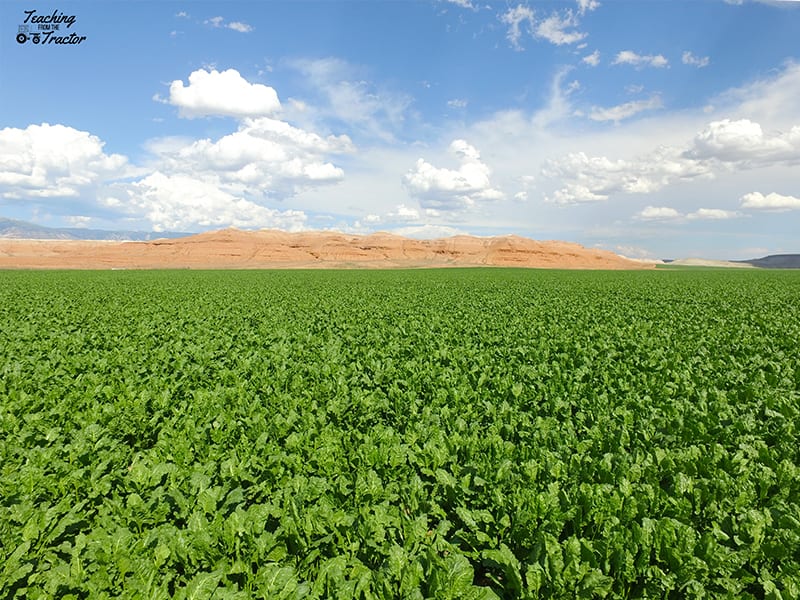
{"x": 24, "y": 32}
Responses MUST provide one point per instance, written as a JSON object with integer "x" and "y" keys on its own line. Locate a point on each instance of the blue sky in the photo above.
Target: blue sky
{"x": 651, "y": 128}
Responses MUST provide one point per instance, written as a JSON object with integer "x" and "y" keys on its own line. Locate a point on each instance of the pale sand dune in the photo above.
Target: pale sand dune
{"x": 707, "y": 262}
{"x": 269, "y": 249}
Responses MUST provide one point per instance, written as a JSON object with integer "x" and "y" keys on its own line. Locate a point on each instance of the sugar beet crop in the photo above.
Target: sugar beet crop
{"x": 400, "y": 434}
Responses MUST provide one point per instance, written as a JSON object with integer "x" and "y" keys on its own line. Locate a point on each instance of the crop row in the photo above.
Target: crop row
{"x": 418, "y": 434}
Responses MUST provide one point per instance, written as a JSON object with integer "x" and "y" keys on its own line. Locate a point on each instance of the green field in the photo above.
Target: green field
{"x": 464, "y": 433}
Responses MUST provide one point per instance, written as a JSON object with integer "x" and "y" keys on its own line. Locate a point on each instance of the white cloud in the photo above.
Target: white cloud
{"x": 518, "y": 19}
{"x": 264, "y": 158}
{"x": 713, "y": 214}
{"x": 574, "y": 193}
{"x": 404, "y": 213}
{"x": 183, "y": 202}
{"x": 628, "y": 57}
{"x": 658, "y": 213}
{"x": 80, "y": 221}
{"x": 635, "y": 252}
{"x": 772, "y": 201}
{"x": 587, "y": 5}
{"x": 51, "y": 161}
{"x": 558, "y": 106}
{"x": 196, "y": 183}
{"x": 666, "y": 213}
{"x": 526, "y": 182}
{"x": 441, "y": 188}
{"x": 462, "y": 3}
{"x": 592, "y": 59}
{"x": 553, "y": 29}
{"x": 219, "y": 22}
{"x": 771, "y": 100}
{"x": 626, "y": 110}
{"x": 184, "y": 183}
{"x": 744, "y": 141}
{"x": 240, "y": 27}
{"x": 718, "y": 148}
{"x": 211, "y": 93}
{"x": 457, "y": 103}
{"x": 521, "y": 19}
{"x": 697, "y": 61}
{"x": 587, "y": 178}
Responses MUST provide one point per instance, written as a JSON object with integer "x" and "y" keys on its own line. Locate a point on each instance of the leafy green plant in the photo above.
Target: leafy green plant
{"x": 465, "y": 433}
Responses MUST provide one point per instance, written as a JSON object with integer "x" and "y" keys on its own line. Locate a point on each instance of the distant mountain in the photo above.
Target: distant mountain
{"x": 22, "y": 230}
{"x": 270, "y": 249}
{"x": 776, "y": 261}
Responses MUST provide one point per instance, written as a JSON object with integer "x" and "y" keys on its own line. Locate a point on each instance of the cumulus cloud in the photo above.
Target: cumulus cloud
{"x": 184, "y": 183}
{"x": 457, "y": 103}
{"x": 658, "y": 213}
{"x": 696, "y": 61}
{"x": 240, "y": 27}
{"x": 586, "y": 178}
{"x": 265, "y": 160}
{"x": 744, "y": 141}
{"x": 626, "y": 110}
{"x": 574, "y": 193}
{"x": 719, "y": 147}
{"x": 592, "y": 59}
{"x": 52, "y": 161}
{"x": 628, "y": 57}
{"x": 771, "y": 202}
{"x": 226, "y": 93}
{"x": 452, "y": 188}
{"x": 554, "y": 29}
{"x": 264, "y": 157}
{"x": 180, "y": 202}
{"x": 404, "y": 213}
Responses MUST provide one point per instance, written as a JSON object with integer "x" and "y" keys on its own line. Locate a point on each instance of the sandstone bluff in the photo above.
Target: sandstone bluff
{"x": 269, "y": 249}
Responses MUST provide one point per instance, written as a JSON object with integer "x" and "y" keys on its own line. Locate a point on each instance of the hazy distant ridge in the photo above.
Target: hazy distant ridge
{"x": 776, "y": 261}
{"x": 22, "y": 230}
